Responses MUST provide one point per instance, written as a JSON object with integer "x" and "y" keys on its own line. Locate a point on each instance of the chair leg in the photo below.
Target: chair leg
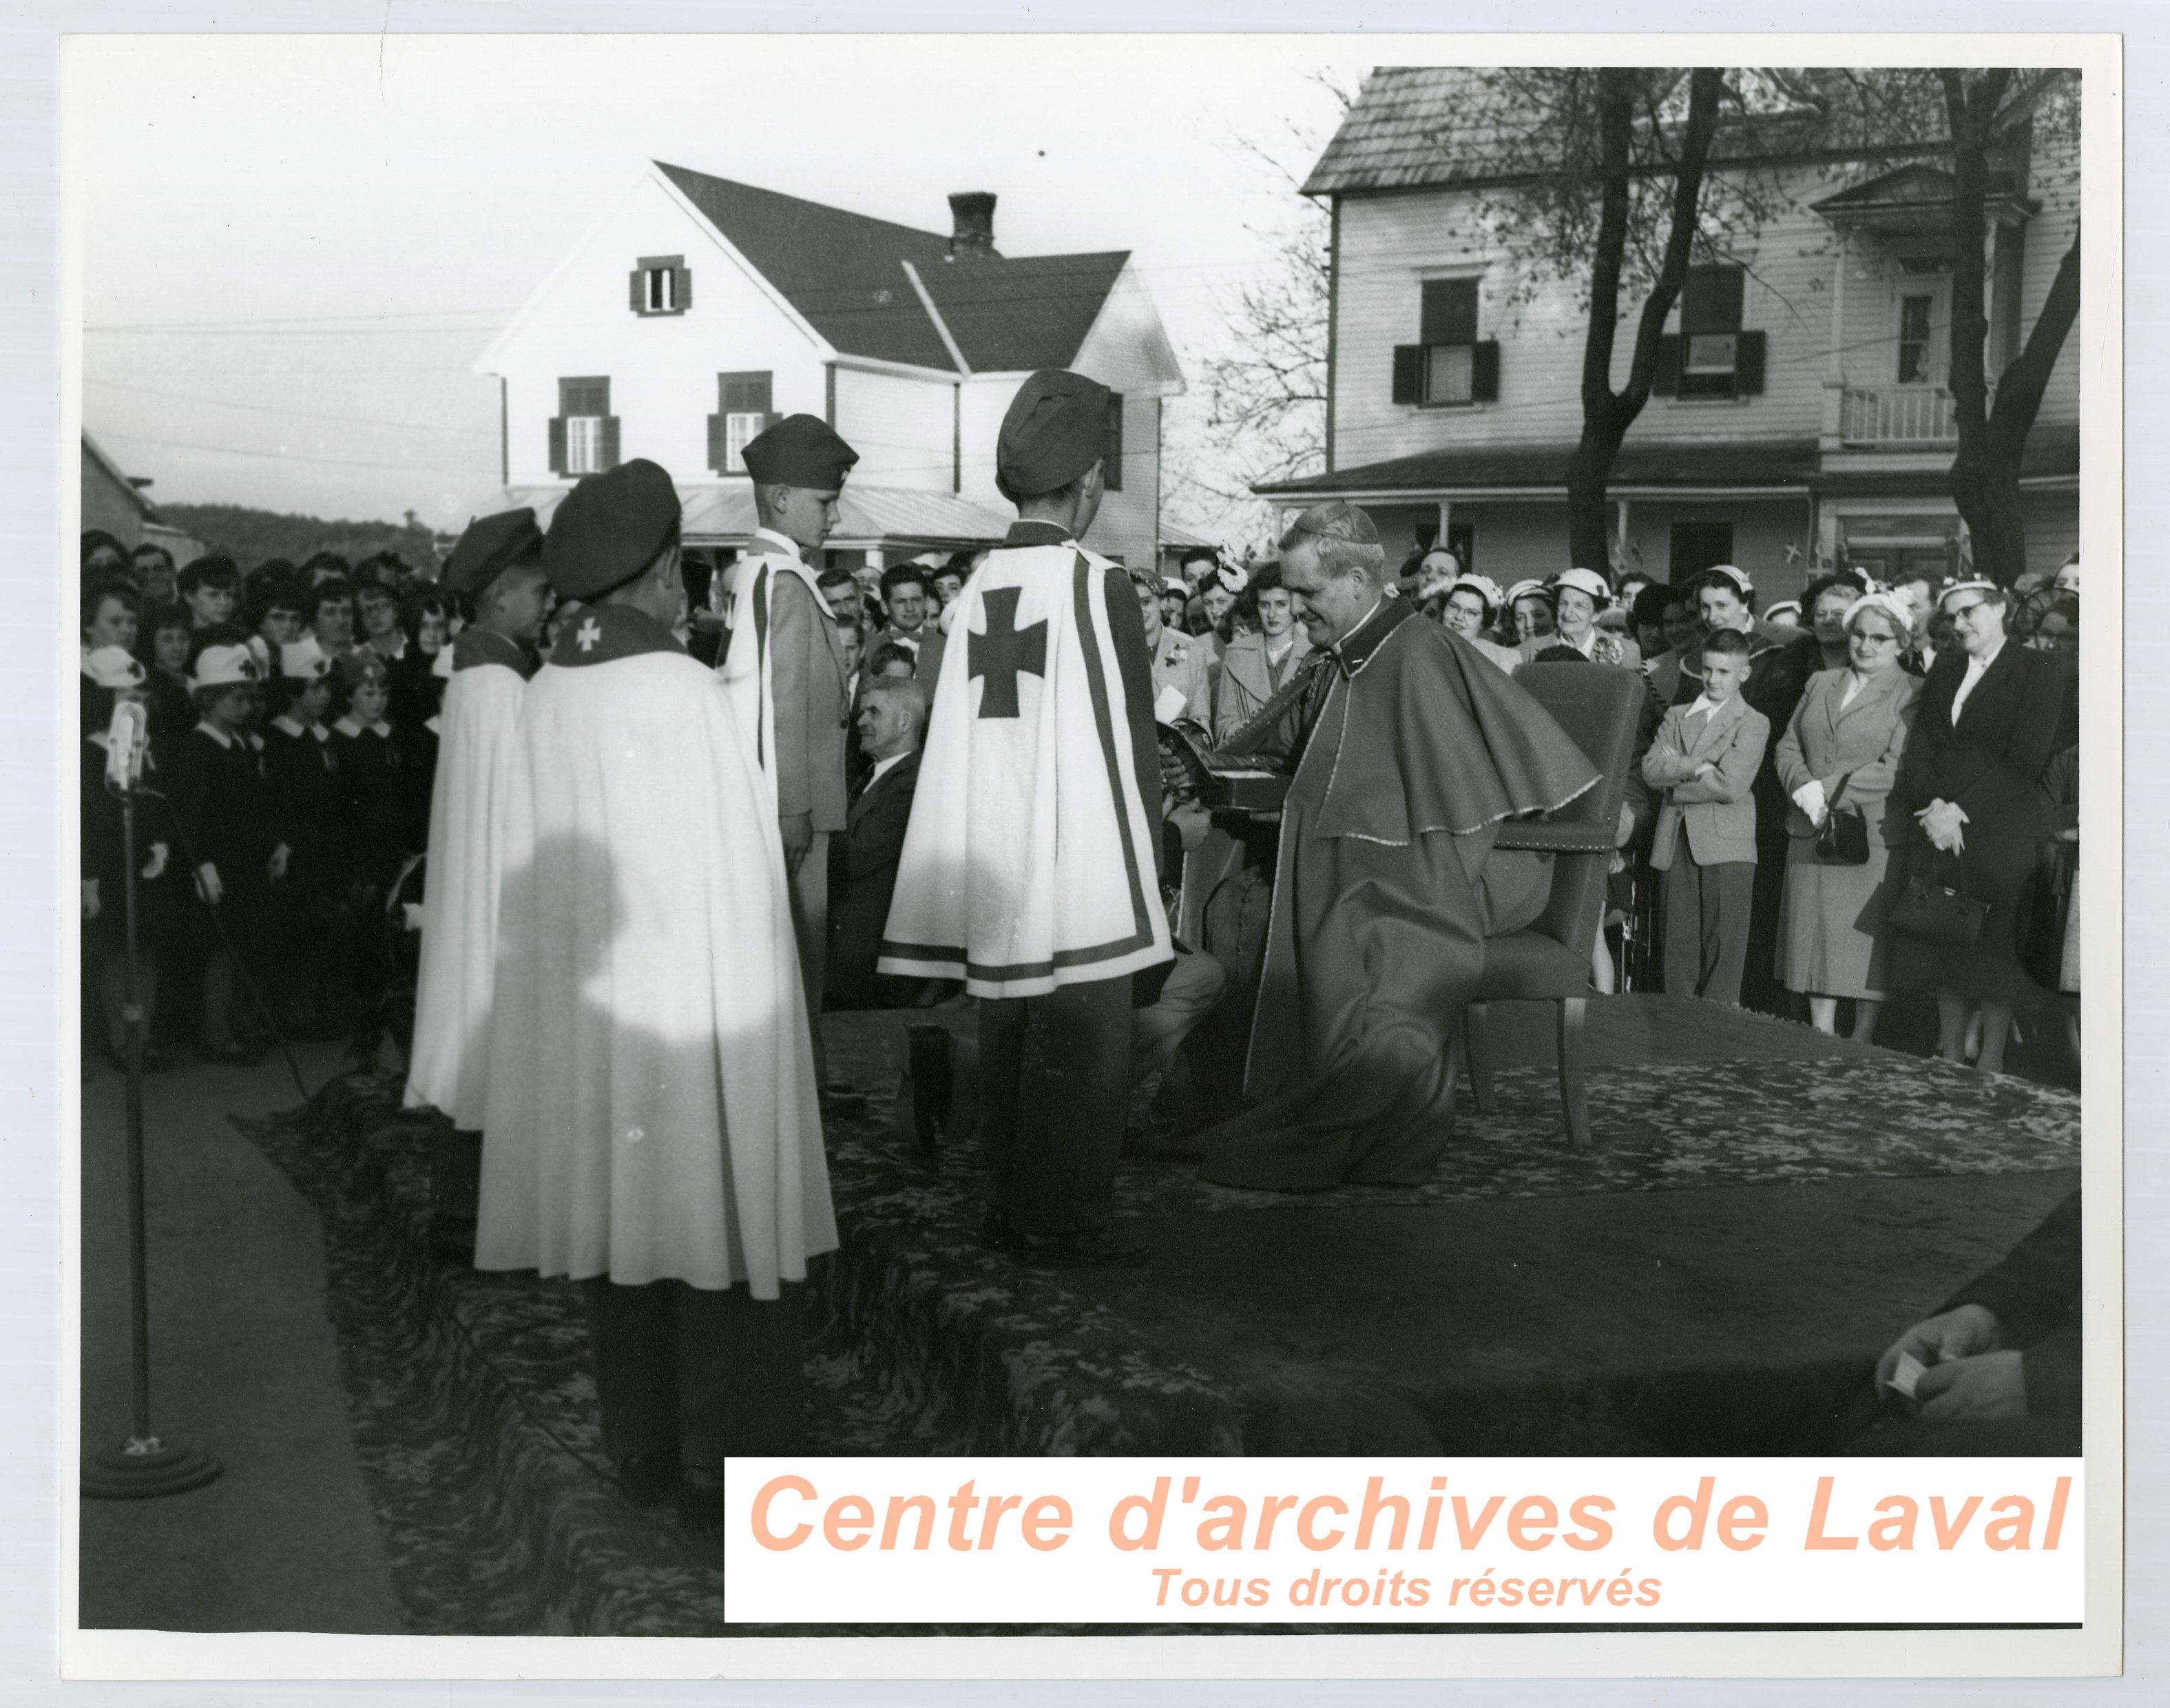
{"x": 1574, "y": 1098}
{"x": 1478, "y": 1042}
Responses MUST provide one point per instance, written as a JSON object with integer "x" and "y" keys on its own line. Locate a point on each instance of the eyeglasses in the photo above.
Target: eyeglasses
{"x": 1870, "y": 639}
{"x": 1956, "y": 612}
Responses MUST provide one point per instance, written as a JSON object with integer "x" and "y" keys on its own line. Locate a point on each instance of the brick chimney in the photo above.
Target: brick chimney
{"x": 972, "y": 223}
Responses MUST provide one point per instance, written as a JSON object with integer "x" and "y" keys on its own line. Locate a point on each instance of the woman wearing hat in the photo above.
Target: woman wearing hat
{"x": 112, "y": 676}
{"x": 1531, "y": 614}
{"x": 1841, "y": 753}
{"x": 1577, "y": 595}
{"x": 228, "y": 831}
{"x": 1472, "y": 606}
{"x": 1992, "y": 714}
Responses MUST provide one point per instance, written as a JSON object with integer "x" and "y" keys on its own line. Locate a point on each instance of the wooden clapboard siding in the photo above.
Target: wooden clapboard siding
{"x": 899, "y": 426}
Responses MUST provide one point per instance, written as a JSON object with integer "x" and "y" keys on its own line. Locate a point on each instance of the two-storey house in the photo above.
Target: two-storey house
{"x": 696, "y": 310}
{"x": 1800, "y": 416}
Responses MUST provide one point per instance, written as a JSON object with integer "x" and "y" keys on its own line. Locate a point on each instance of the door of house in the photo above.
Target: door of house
{"x": 1698, "y": 546}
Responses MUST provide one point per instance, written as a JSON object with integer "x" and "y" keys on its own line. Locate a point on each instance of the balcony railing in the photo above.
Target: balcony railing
{"x": 1897, "y": 414}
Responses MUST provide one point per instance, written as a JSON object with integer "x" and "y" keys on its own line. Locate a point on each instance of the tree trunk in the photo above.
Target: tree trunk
{"x": 1607, "y": 415}
{"x": 1985, "y": 474}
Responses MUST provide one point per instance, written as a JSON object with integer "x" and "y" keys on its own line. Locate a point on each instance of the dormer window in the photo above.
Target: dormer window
{"x": 661, "y": 285}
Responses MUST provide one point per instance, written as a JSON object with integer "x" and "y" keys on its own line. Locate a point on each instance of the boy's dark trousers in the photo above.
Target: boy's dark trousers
{"x": 710, "y": 1372}
{"x": 1706, "y": 910}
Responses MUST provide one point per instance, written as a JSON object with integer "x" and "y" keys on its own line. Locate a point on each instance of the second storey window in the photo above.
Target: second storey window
{"x": 745, "y": 408}
{"x": 584, "y": 432}
{"x": 1711, "y": 356}
{"x": 1449, "y": 365}
{"x": 661, "y": 285}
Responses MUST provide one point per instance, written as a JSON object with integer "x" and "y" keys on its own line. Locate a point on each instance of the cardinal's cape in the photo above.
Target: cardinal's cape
{"x": 1418, "y": 751}
{"x": 476, "y": 734}
{"x": 652, "y": 1105}
{"x": 1030, "y": 860}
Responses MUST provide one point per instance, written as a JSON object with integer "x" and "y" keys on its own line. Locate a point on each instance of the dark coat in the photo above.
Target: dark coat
{"x": 863, "y": 860}
{"x": 2035, "y": 1293}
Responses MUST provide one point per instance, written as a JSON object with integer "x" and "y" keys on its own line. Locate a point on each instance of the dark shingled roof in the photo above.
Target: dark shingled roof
{"x": 845, "y": 273}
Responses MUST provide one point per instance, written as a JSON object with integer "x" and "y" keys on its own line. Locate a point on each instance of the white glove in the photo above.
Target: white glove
{"x": 207, "y": 884}
{"x": 155, "y": 867}
{"x": 1810, "y": 798}
{"x": 90, "y": 898}
{"x": 280, "y": 856}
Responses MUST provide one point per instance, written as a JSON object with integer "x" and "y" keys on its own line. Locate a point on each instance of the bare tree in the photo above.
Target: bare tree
{"x": 1992, "y": 434}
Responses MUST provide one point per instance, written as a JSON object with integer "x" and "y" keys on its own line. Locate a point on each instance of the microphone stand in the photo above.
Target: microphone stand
{"x": 143, "y": 1466}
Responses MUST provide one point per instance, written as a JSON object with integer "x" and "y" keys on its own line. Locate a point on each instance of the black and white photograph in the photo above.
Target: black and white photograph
{"x": 811, "y": 749}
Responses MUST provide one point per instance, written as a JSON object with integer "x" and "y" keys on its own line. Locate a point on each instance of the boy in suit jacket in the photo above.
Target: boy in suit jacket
{"x": 1705, "y": 758}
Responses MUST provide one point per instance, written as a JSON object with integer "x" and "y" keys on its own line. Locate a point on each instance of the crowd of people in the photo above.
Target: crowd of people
{"x": 292, "y": 716}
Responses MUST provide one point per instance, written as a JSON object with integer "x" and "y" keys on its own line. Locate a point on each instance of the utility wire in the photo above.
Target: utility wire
{"x": 307, "y": 415}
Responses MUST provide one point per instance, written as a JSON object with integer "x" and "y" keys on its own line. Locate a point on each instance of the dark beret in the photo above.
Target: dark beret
{"x": 609, "y": 529}
{"x": 1055, "y": 430}
{"x": 801, "y": 451}
{"x": 490, "y": 544}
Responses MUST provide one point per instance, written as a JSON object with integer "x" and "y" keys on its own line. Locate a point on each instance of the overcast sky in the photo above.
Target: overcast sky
{"x": 324, "y": 231}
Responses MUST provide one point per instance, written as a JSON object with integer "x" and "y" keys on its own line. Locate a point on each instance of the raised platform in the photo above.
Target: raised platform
{"x": 1762, "y": 1210}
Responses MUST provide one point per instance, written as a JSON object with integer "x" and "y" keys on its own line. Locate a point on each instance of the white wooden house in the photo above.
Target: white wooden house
{"x": 696, "y": 310}
{"x": 1801, "y": 416}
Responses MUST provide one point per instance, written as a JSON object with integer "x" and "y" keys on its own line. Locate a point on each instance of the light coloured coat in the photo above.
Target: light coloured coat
{"x": 1717, "y": 812}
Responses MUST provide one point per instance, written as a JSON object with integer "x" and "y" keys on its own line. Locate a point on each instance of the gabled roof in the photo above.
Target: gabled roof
{"x": 846, "y": 274}
{"x": 128, "y": 488}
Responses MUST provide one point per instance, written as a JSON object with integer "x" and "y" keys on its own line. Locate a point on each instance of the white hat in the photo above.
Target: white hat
{"x": 1738, "y": 576}
{"x": 1523, "y": 590}
{"x": 225, "y": 667}
{"x": 301, "y": 657}
{"x": 113, "y": 666}
{"x": 1890, "y": 604}
{"x": 1770, "y": 615}
{"x": 1976, "y": 586}
{"x": 1234, "y": 577}
{"x": 1585, "y": 582}
{"x": 1483, "y": 587}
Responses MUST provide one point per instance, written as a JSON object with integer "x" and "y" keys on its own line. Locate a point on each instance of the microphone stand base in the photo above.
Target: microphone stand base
{"x": 143, "y": 1470}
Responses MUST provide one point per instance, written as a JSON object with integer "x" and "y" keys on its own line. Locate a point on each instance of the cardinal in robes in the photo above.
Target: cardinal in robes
{"x": 651, "y": 1129}
{"x": 786, "y": 675}
{"x": 498, "y": 567}
{"x": 1410, "y": 750}
{"x": 1030, "y": 867}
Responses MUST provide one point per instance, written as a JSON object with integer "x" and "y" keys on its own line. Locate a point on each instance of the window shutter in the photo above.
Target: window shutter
{"x": 1408, "y": 373}
{"x": 557, "y": 444}
{"x": 1748, "y": 365}
{"x": 638, "y": 293}
{"x": 1449, "y": 311}
{"x": 1485, "y": 372}
{"x": 717, "y": 443}
{"x": 1666, "y": 377}
{"x": 1114, "y": 469}
{"x": 682, "y": 280}
{"x": 609, "y": 459}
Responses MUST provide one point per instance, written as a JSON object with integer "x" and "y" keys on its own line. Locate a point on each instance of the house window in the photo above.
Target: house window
{"x": 583, "y": 433}
{"x": 1915, "y": 314}
{"x": 745, "y": 409}
{"x": 1114, "y": 469}
{"x": 1449, "y": 365}
{"x": 661, "y": 285}
{"x": 1711, "y": 356}
{"x": 1462, "y": 541}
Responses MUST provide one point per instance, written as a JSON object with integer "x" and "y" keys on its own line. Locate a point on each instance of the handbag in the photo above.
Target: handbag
{"x": 1938, "y": 913}
{"x": 1842, "y": 839}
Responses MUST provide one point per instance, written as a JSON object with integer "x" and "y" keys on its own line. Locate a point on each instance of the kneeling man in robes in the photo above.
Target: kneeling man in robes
{"x": 652, "y": 1130}
{"x": 1409, "y": 750}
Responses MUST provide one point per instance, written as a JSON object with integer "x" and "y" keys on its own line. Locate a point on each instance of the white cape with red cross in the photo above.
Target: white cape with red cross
{"x": 1029, "y": 862}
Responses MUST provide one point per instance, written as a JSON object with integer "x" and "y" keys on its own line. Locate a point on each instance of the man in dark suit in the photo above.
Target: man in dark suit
{"x": 891, "y": 718}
